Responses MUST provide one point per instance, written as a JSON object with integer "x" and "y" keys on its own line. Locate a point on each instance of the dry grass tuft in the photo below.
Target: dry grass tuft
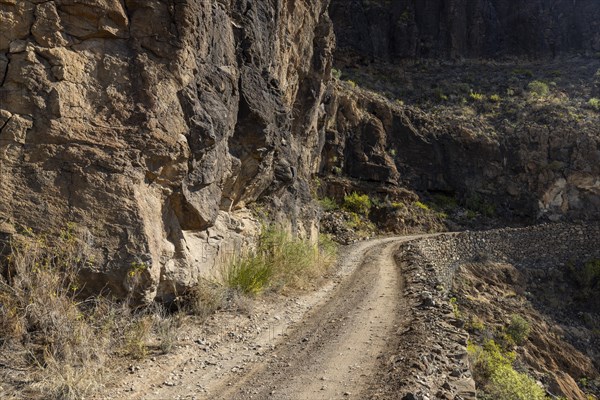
{"x": 280, "y": 262}
{"x": 65, "y": 342}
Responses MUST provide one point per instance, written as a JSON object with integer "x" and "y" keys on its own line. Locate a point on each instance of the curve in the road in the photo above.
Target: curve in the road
{"x": 334, "y": 352}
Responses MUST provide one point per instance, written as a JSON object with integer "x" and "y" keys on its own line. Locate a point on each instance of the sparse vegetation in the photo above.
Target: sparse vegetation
{"x": 455, "y": 309}
{"x": 594, "y": 103}
{"x": 206, "y": 298}
{"x": 519, "y": 329}
{"x": 475, "y": 324}
{"x": 422, "y": 206}
{"x": 336, "y": 73}
{"x": 63, "y": 338}
{"x": 476, "y": 96}
{"x": 279, "y": 262}
{"x": 477, "y": 203}
{"x": 328, "y": 204}
{"x": 538, "y": 88}
{"x": 358, "y": 203}
{"x": 586, "y": 277}
{"x": 445, "y": 202}
{"x": 494, "y": 372}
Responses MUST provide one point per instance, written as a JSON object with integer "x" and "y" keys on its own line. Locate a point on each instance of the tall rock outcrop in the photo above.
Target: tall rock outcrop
{"x": 542, "y": 166}
{"x": 399, "y": 29}
{"x": 152, "y": 125}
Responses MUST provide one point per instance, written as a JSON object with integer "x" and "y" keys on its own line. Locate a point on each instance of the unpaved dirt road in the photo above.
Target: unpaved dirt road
{"x": 333, "y": 353}
{"x": 324, "y": 345}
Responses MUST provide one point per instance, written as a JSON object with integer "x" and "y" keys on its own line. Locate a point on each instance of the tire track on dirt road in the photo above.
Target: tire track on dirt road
{"x": 334, "y": 352}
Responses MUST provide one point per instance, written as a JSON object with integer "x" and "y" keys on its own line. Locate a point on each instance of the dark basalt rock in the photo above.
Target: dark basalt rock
{"x": 400, "y": 29}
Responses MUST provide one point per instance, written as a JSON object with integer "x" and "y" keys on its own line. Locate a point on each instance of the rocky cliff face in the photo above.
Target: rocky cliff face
{"x": 413, "y": 113}
{"x": 395, "y": 30}
{"x": 152, "y": 125}
{"x": 541, "y": 165}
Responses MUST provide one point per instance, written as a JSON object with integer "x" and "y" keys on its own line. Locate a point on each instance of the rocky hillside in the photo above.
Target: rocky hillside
{"x": 493, "y": 105}
{"x": 467, "y": 292}
{"x": 152, "y": 126}
{"x": 477, "y": 133}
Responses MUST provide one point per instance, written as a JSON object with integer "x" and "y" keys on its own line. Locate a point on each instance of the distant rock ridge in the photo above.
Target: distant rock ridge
{"x": 391, "y": 31}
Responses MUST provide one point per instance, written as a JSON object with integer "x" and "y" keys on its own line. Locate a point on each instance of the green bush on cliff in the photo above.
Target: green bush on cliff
{"x": 518, "y": 329}
{"x": 358, "y": 203}
{"x": 328, "y": 204}
{"x": 539, "y": 88}
{"x": 494, "y": 373}
{"x": 508, "y": 384}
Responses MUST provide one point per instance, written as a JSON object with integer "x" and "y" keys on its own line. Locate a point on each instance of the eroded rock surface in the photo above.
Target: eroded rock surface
{"x": 535, "y": 163}
{"x": 152, "y": 125}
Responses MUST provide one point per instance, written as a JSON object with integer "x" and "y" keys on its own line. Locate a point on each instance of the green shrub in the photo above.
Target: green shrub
{"x": 539, "y": 88}
{"x": 508, "y": 384}
{"x": 439, "y": 94}
{"x": 249, "y": 274}
{"x": 487, "y": 358}
{"x": 445, "y": 202}
{"x": 495, "y": 98}
{"x": 590, "y": 275}
{"x": 493, "y": 371}
{"x": 476, "y": 203}
{"x": 358, "y": 203}
{"x": 594, "y": 103}
{"x": 476, "y": 324}
{"x": 422, "y": 206}
{"x": 328, "y": 204}
{"x": 327, "y": 249}
{"x": 455, "y": 309}
{"x": 336, "y": 73}
{"x": 519, "y": 329}
{"x": 477, "y": 96}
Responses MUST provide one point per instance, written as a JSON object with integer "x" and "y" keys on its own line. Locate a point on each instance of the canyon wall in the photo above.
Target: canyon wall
{"x": 543, "y": 166}
{"x": 151, "y": 126}
{"x": 394, "y": 30}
